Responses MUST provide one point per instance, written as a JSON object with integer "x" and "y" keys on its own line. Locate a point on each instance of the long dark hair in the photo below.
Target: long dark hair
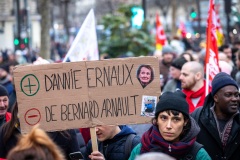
{"x": 9, "y": 127}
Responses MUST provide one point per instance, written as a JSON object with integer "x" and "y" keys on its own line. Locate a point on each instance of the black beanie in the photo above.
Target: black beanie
{"x": 3, "y": 91}
{"x": 221, "y": 80}
{"x": 172, "y": 101}
{"x": 179, "y": 62}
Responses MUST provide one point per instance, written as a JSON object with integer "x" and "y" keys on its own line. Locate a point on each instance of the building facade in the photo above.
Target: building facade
{"x": 9, "y": 26}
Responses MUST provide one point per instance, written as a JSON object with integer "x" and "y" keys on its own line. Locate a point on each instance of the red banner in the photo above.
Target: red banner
{"x": 219, "y": 31}
{"x": 181, "y": 32}
{"x": 211, "y": 59}
{"x": 160, "y": 34}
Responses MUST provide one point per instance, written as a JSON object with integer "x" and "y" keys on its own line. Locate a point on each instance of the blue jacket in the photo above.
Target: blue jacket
{"x": 114, "y": 149}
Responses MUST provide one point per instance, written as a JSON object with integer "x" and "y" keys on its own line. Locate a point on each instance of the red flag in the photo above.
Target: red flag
{"x": 211, "y": 59}
{"x": 181, "y": 32}
{"x": 160, "y": 34}
{"x": 219, "y": 31}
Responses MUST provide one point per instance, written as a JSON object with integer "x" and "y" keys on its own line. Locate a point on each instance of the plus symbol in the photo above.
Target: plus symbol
{"x": 29, "y": 86}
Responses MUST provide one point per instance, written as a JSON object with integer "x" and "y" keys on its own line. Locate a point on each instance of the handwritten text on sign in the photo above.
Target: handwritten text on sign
{"x": 85, "y": 94}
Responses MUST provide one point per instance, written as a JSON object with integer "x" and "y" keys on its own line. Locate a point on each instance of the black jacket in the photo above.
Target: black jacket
{"x": 114, "y": 149}
{"x": 209, "y": 135}
{"x": 67, "y": 141}
{"x": 11, "y": 143}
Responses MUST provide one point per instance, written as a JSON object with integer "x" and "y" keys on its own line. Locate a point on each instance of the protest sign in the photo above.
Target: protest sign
{"x": 87, "y": 93}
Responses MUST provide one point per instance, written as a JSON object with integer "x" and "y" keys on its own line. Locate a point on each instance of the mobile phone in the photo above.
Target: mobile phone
{"x": 76, "y": 156}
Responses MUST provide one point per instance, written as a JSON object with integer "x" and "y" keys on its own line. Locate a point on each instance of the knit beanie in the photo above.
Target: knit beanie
{"x": 221, "y": 80}
{"x": 167, "y": 49}
{"x": 172, "y": 101}
{"x": 3, "y": 91}
{"x": 179, "y": 62}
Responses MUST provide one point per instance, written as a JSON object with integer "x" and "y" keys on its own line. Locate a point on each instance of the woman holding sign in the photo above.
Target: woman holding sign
{"x": 173, "y": 131}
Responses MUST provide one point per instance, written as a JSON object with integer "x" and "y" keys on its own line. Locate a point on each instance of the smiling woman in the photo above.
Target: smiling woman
{"x": 145, "y": 75}
{"x": 173, "y": 131}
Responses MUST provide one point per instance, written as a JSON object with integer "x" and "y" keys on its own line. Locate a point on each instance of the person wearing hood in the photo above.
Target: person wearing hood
{"x": 219, "y": 119}
{"x": 173, "y": 131}
{"x": 112, "y": 142}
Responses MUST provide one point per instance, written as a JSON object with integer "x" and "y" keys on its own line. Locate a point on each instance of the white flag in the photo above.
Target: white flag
{"x": 84, "y": 46}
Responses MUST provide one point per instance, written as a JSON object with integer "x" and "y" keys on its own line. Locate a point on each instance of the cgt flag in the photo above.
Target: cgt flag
{"x": 84, "y": 46}
{"x": 181, "y": 32}
{"x": 160, "y": 34}
{"x": 211, "y": 59}
{"x": 219, "y": 31}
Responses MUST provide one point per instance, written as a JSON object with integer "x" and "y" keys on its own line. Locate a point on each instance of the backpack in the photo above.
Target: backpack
{"x": 128, "y": 145}
{"x": 194, "y": 151}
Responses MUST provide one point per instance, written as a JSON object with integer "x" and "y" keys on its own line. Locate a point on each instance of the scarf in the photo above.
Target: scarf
{"x": 191, "y": 94}
{"x": 153, "y": 141}
{"x": 225, "y": 134}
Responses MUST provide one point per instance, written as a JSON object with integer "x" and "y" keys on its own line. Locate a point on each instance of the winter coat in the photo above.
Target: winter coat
{"x": 5, "y": 119}
{"x": 11, "y": 143}
{"x": 192, "y": 133}
{"x": 164, "y": 70}
{"x": 201, "y": 155}
{"x": 209, "y": 135}
{"x": 114, "y": 149}
{"x": 67, "y": 143}
{"x": 171, "y": 86}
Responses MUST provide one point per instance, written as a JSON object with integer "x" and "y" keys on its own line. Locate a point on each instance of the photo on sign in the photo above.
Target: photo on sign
{"x": 145, "y": 74}
{"x": 148, "y": 106}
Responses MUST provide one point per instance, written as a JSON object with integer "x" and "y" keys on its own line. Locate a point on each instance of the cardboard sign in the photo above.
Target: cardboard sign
{"x": 85, "y": 94}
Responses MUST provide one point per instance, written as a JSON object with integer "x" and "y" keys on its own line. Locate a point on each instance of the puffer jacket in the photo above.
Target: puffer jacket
{"x": 114, "y": 149}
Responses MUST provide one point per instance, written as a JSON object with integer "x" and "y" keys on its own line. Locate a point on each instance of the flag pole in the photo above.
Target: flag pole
{"x": 209, "y": 24}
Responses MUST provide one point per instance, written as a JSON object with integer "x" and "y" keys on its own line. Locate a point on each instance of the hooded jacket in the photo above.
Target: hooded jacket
{"x": 209, "y": 135}
{"x": 114, "y": 149}
{"x": 192, "y": 133}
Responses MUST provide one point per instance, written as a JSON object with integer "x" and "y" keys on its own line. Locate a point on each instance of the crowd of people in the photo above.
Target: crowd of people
{"x": 189, "y": 123}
